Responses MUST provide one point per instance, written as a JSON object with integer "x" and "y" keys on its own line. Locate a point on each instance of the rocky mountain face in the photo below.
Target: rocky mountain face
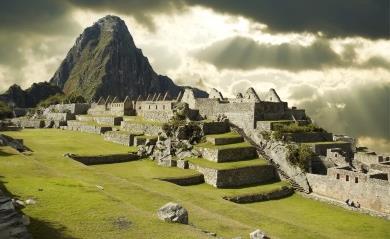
{"x": 30, "y": 97}
{"x": 105, "y": 61}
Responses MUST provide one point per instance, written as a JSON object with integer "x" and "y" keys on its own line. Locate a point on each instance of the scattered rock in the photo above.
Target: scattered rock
{"x": 173, "y": 212}
{"x": 19, "y": 204}
{"x": 30, "y": 201}
{"x": 258, "y": 235}
{"x": 99, "y": 187}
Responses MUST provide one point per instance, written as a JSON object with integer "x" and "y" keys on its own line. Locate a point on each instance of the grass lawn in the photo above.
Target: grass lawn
{"x": 69, "y": 205}
{"x": 227, "y": 165}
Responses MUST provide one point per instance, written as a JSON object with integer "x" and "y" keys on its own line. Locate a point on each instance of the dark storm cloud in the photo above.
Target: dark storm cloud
{"x": 335, "y": 18}
{"x": 38, "y": 17}
{"x": 24, "y": 23}
{"x": 142, "y": 10}
{"x": 358, "y": 111}
{"x": 246, "y": 54}
{"x": 241, "y": 53}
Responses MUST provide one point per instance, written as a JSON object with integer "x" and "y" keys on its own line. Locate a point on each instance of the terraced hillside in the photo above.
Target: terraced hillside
{"x": 121, "y": 200}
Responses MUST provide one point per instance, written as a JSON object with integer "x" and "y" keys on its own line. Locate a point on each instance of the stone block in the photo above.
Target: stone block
{"x": 182, "y": 164}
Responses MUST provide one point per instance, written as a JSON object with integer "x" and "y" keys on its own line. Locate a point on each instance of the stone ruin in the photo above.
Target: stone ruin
{"x": 166, "y": 129}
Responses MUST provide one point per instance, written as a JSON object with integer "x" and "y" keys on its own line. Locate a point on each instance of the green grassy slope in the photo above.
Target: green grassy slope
{"x": 71, "y": 206}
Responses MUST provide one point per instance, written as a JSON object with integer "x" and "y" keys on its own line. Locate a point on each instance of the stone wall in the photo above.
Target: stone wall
{"x": 105, "y": 159}
{"x": 321, "y": 148}
{"x": 155, "y": 110}
{"x": 77, "y": 108}
{"x": 214, "y": 127}
{"x": 124, "y": 138}
{"x": 108, "y": 120}
{"x": 88, "y": 128}
{"x": 60, "y": 116}
{"x": 370, "y": 193}
{"x": 141, "y": 128}
{"x": 236, "y": 177}
{"x": 228, "y": 154}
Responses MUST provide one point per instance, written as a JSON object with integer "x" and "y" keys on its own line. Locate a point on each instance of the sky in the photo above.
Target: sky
{"x": 330, "y": 57}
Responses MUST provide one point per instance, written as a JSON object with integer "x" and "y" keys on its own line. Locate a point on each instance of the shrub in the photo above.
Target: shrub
{"x": 300, "y": 156}
{"x": 5, "y": 110}
{"x": 295, "y": 128}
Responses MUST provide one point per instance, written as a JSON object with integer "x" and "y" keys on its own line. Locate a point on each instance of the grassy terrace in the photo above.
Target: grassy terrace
{"x": 225, "y": 135}
{"x": 141, "y": 120}
{"x": 227, "y": 165}
{"x": 226, "y": 146}
{"x": 69, "y": 205}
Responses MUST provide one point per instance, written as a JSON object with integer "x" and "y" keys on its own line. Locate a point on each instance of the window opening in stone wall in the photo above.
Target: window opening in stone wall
{"x": 338, "y": 176}
{"x": 347, "y": 177}
{"x": 356, "y": 180}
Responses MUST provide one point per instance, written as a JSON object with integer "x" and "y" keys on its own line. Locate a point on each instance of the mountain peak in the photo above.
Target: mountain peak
{"x": 106, "y": 62}
{"x": 110, "y": 23}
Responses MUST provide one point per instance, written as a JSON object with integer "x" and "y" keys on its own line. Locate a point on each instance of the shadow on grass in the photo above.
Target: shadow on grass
{"x": 48, "y": 230}
{"x": 39, "y": 228}
{"x": 5, "y": 154}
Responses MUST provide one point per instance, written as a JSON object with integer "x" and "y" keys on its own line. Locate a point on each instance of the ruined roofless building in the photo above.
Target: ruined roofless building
{"x": 245, "y": 110}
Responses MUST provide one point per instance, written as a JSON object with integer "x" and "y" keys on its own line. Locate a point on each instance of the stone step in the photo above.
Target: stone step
{"x": 223, "y": 139}
{"x": 227, "y": 153}
{"x": 225, "y": 175}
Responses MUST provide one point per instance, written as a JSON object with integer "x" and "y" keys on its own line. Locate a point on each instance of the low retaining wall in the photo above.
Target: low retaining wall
{"x": 260, "y": 197}
{"x": 105, "y": 159}
{"x": 124, "y": 138}
{"x": 185, "y": 181}
{"x": 141, "y": 128}
{"x": 236, "y": 177}
{"x": 229, "y": 154}
{"x": 88, "y": 128}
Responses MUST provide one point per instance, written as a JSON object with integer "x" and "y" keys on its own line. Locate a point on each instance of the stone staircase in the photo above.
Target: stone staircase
{"x": 260, "y": 151}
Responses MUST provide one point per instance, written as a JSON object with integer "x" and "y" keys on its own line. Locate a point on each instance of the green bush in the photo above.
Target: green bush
{"x": 300, "y": 155}
{"x": 5, "y": 110}
{"x": 266, "y": 135}
{"x": 295, "y": 128}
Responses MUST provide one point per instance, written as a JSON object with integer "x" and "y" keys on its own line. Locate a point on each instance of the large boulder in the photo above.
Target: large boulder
{"x": 173, "y": 212}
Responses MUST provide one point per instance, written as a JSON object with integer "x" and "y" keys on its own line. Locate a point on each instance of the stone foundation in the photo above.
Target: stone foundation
{"x": 88, "y": 128}
{"x": 214, "y": 127}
